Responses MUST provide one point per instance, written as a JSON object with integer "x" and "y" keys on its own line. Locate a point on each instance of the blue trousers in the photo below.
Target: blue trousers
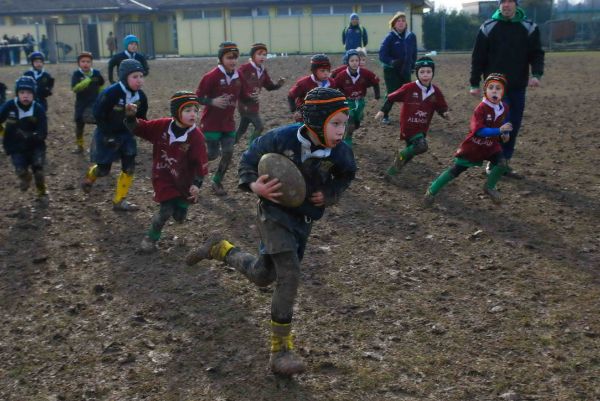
{"x": 516, "y": 105}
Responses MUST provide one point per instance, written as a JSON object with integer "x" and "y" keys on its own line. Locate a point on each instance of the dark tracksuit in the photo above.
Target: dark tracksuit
{"x": 354, "y": 36}
{"x": 397, "y": 54}
{"x": 112, "y": 139}
{"x": 24, "y": 139}
{"x": 284, "y": 231}
{"x": 45, "y": 84}
{"x": 115, "y": 61}
{"x": 86, "y": 92}
{"x": 509, "y": 48}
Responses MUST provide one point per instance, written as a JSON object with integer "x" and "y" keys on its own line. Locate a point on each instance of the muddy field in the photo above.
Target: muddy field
{"x": 463, "y": 301}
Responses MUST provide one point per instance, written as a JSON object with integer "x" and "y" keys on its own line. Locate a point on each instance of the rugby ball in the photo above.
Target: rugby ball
{"x": 293, "y": 187}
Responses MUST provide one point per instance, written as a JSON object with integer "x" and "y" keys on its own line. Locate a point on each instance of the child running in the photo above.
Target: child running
{"x": 219, "y": 91}
{"x": 256, "y": 77}
{"x": 353, "y": 83}
{"x": 488, "y": 126}
{"x": 86, "y": 83}
{"x": 131, "y": 44}
{"x": 43, "y": 79}
{"x": 328, "y": 168}
{"x": 179, "y": 161}
{"x": 362, "y": 57}
{"x": 25, "y": 136}
{"x": 418, "y": 101}
{"x": 320, "y": 68}
{"x": 112, "y": 140}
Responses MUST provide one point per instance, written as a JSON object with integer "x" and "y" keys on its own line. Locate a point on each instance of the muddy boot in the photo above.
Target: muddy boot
{"x": 283, "y": 360}
{"x": 513, "y": 174}
{"x": 78, "y": 150}
{"x": 428, "y": 199}
{"x": 493, "y": 194}
{"x": 124, "y": 206}
{"x": 148, "y": 245}
{"x": 218, "y": 189}
{"x": 90, "y": 178}
{"x": 79, "y": 127}
{"x": 215, "y": 247}
{"x": 24, "y": 181}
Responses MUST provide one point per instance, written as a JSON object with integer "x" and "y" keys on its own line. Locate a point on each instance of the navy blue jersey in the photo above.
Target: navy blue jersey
{"x": 326, "y": 170}
{"x": 25, "y": 128}
{"x": 109, "y": 110}
{"x": 87, "y": 94}
{"x": 115, "y": 61}
{"x": 44, "y": 81}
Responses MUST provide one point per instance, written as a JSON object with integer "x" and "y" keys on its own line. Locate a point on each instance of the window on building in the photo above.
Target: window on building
{"x": 260, "y": 12}
{"x": 371, "y": 9}
{"x": 393, "y": 7}
{"x": 321, "y": 10}
{"x": 342, "y": 9}
{"x": 241, "y": 12}
{"x": 18, "y": 20}
{"x": 193, "y": 14}
{"x": 213, "y": 13}
{"x": 287, "y": 11}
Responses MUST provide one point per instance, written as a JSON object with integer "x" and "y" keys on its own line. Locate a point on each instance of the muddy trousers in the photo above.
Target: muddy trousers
{"x": 245, "y": 121}
{"x": 176, "y": 208}
{"x": 224, "y": 147}
{"x": 282, "y": 268}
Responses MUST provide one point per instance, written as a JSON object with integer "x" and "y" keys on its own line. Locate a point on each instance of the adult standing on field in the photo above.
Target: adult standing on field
{"x": 354, "y": 35}
{"x": 509, "y": 43}
{"x": 397, "y": 53}
{"x": 111, "y": 43}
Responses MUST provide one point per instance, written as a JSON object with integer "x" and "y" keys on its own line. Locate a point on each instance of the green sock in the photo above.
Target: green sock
{"x": 407, "y": 153}
{"x": 494, "y": 175}
{"x": 216, "y": 178}
{"x": 154, "y": 235}
{"x": 440, "y": 182}
{"x": 392, "y": 170}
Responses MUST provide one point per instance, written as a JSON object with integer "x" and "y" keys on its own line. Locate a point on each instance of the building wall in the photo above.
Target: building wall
{"x": 283, "y": 34}
{"x": 304, "y": 33}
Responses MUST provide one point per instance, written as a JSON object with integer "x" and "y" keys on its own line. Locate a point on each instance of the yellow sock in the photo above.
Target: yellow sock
{"x": 79, "y": 141}
{"x": 92, "y": 173}
{"x": 123, "y": 184}
{"x": 281, "y": 336}
{"x": 220, "y": 251}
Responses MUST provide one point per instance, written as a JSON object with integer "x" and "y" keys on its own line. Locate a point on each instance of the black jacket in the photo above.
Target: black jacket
{"x": 507, "y": 47}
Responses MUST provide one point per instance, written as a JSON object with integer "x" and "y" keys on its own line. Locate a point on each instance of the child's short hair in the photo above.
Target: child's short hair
{"x": 362, "y": 51}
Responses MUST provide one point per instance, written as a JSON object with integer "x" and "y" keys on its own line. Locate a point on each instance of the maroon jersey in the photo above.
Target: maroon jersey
{"x": 175, "y": 161}
{"x": 337, "y": 70}
{"x": 212, "y": 85}
{"x": 355, "y": 87}
{"x": 475, "y": 148}
{"x": 418, "y": 107}
{"x": 255, "y": 79}
{"x": 303, "y": 86}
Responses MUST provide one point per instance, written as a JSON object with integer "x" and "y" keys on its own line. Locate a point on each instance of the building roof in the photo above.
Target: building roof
{"x": 37, "y": 7}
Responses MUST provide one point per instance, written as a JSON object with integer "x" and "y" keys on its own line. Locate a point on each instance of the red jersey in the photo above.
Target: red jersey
{"x": 355, "y": 87}
{"x": 303, "y": 85}
{"x": 255, "y": 79}
{"x": 418, "y": 107}
{"x": 212, "y": 85}
{"x": 341, "y": 68}
{"x": 476, "y": 148}
{"x": 175, "y": 161}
